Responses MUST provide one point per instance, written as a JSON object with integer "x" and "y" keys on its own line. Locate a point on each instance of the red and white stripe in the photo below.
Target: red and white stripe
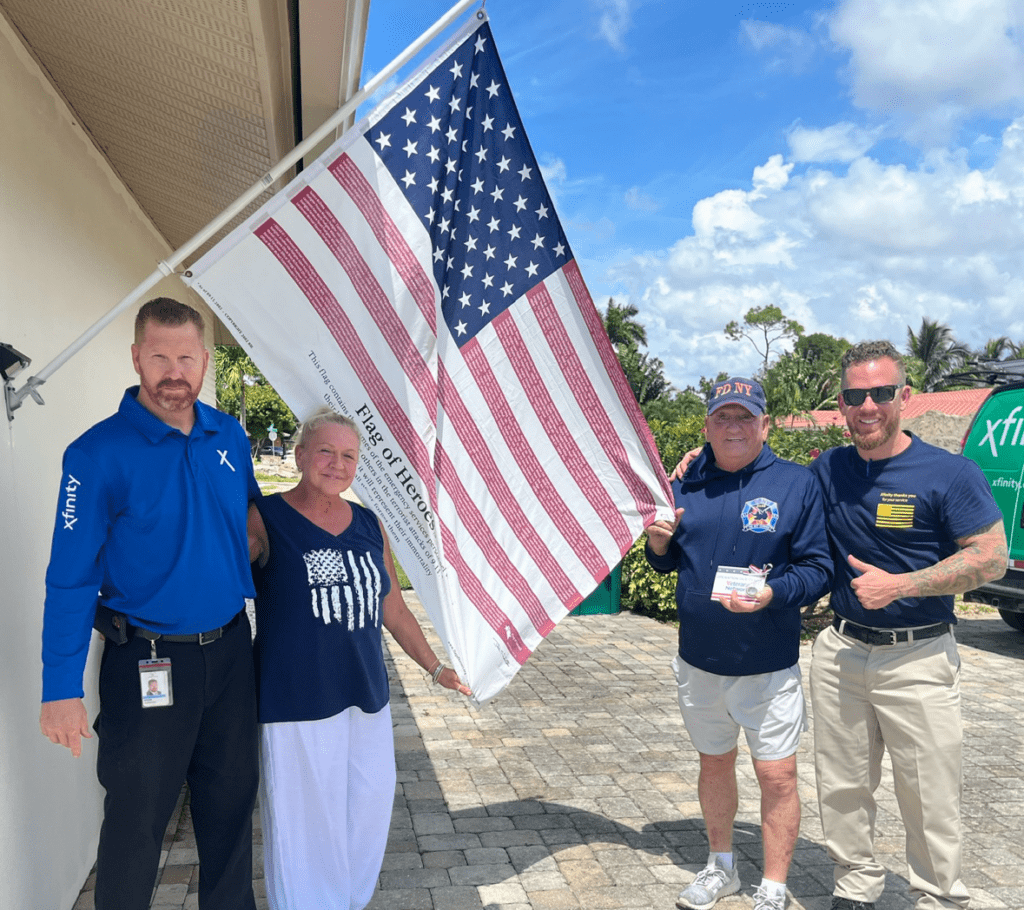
{"x": 526, "y": 443}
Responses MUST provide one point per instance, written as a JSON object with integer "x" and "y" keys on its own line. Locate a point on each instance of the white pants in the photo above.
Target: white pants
{"x": 326, "y": 792}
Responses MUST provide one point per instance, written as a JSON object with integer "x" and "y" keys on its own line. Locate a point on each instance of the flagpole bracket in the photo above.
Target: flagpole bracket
{"x": 14, "y": 397}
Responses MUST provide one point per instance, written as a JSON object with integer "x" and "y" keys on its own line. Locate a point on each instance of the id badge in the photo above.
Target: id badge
{"x": 746, "y": 582}
{"x": 155, "y": 681}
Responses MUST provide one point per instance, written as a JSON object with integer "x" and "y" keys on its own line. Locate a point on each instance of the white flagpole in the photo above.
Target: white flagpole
{"x": 168, "y": 266}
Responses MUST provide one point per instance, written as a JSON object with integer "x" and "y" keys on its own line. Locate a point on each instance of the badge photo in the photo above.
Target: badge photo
{"x": 155, "y": 683}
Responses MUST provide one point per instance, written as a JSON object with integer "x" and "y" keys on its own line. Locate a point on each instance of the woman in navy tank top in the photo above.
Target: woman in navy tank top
{"x": 325, "y": 582}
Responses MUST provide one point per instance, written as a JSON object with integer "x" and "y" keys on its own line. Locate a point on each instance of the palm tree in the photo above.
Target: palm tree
{"x": 938, "y": 352}
{"x": 622, "y": 327}
{"x": 234, "y": 370}
{"x": 996, "y": 348}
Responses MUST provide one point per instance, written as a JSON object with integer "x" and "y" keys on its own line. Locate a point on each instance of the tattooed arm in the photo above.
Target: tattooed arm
{"x": 981, "y": 558}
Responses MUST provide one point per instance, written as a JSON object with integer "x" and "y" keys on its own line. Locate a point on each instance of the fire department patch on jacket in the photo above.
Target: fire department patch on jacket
{"x": 760, "y": 515}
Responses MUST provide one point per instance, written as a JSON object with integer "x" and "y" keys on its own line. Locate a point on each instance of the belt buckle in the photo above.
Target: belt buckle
{"x": 206, "y": 638}
{"x": 882, "y": 637}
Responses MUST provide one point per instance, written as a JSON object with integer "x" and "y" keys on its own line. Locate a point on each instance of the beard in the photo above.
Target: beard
{"x": 878, "y": 435}
{"x": 173, "y": 394}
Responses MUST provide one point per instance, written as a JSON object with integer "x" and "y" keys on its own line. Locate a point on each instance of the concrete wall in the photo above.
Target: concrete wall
{"x": 72, "y": 244}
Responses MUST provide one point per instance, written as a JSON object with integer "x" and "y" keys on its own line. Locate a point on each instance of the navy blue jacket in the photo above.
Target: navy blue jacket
{"x": 771, "y": 511}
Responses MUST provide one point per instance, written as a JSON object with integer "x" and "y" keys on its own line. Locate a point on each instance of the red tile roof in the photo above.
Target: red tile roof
{"x": 960, "y": 403}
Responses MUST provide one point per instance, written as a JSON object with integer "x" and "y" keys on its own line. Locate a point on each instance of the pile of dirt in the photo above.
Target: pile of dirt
{"x": 943, "y": 430}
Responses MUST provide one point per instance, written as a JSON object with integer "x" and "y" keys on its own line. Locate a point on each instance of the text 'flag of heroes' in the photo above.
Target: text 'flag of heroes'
{"x": 416, "y": 279}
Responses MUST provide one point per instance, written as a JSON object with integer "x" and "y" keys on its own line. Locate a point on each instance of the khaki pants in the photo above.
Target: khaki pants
{"x": 904, "y": 698}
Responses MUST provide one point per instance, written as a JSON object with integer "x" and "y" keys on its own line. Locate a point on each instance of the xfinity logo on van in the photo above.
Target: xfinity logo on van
{"x": 993, "y": 427}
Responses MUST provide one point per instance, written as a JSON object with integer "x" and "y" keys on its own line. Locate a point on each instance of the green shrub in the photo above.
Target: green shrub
{"x": 645, "y": 591}
{"x": 674, "y": 440}
{"x": 803, "y": 446}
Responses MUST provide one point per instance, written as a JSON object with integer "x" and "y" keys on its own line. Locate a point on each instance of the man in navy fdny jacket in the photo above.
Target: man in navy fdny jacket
{"x": 151, "y": 533}
{"x": 749, "y": 544}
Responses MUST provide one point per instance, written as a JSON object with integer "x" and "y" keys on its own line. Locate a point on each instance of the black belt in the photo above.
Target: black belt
{"x": 202, "y": 638}
{"x": 872, "y": 636}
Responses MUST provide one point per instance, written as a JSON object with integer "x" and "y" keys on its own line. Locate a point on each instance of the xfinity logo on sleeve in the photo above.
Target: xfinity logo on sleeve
{"x": 69, "y": 503}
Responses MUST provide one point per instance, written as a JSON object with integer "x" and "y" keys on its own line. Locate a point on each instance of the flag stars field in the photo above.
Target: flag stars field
{"x": 435, "y": 185}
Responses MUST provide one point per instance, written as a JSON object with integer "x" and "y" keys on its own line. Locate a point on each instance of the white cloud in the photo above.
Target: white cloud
{"x": 639, "y": 201}
{"x": 860, "y": 255}
{"x": 773, "y": 175}
{"x": 726, "y": 215}
{"x": 930, "y": 63}
{"x": 553, "y": 171}
{"x": 728, "y": 231}
{"x": 839, "y": 142}
{"x": 614, "y": 21}
{"x": 790, "y": 48}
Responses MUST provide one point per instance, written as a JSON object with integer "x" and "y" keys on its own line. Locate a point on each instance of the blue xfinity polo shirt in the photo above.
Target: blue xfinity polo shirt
{"x": 152, "y": 523}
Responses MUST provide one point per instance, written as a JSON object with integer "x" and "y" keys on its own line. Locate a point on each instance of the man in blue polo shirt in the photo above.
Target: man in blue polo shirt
{"x": 749, "y": 544}
{"x": 151, "y": 536}
{"x": 910, "y": 526}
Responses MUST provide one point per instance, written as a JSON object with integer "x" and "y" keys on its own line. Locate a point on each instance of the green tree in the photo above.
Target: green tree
{"x": 234, "y": 372}
{"x": 644, "y": 373}
{"x": 937, "y": 354}
{"x": 266, "y": 410}
{"x": 706, "y": 385}
{"x": 763, "y": 327}
{"x": 997, "y": 349}
{"x": 621, "y": 324}
{"x": 807, "y": 378}
{"x": 244, "y": 392}
{"x": 674, "y": 406}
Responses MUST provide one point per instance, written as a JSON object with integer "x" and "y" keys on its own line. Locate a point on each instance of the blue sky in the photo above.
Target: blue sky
{"x": 859, "y": 163}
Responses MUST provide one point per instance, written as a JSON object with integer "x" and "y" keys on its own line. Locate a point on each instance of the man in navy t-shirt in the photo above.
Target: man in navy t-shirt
{"x": 910, "y": 525}
{"x": 151, "y": 536}
{"x": 749, "y": 545}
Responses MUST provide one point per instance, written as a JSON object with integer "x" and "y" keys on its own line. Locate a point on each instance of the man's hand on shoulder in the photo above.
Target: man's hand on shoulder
{"x": 688, "y": 459}
{"x": 65, "y": 722}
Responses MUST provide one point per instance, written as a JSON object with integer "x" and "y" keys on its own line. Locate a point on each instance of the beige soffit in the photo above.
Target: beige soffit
{"x": 191, "y": 100}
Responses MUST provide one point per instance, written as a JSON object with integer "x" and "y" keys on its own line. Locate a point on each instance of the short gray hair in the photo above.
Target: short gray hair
{"x": 324, "y": 415}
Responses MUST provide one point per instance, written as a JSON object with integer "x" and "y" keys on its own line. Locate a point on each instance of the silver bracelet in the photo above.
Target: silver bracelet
{"x": 437, "y": 673}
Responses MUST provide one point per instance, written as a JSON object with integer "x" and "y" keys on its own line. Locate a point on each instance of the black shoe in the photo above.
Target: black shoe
{"x": 844, "y": 903}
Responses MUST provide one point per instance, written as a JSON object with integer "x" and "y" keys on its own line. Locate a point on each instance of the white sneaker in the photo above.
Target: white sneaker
{"x": 764, "y": 900}
{"x": 711, "y": 883}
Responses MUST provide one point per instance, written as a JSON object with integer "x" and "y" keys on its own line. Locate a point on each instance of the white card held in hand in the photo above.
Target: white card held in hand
{"x": 746, "y": 582}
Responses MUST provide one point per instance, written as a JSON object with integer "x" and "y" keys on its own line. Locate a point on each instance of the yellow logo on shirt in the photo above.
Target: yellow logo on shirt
{"x": 895, "y": 510}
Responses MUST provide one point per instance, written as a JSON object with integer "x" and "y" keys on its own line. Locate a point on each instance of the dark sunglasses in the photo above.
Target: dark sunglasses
{"x": 880, "y": 394}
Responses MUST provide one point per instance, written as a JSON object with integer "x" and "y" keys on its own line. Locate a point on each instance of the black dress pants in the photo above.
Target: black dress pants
{"x": 208, "y": 738}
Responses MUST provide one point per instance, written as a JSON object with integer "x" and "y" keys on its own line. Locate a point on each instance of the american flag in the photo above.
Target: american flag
{"x": 417, "y": 279}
